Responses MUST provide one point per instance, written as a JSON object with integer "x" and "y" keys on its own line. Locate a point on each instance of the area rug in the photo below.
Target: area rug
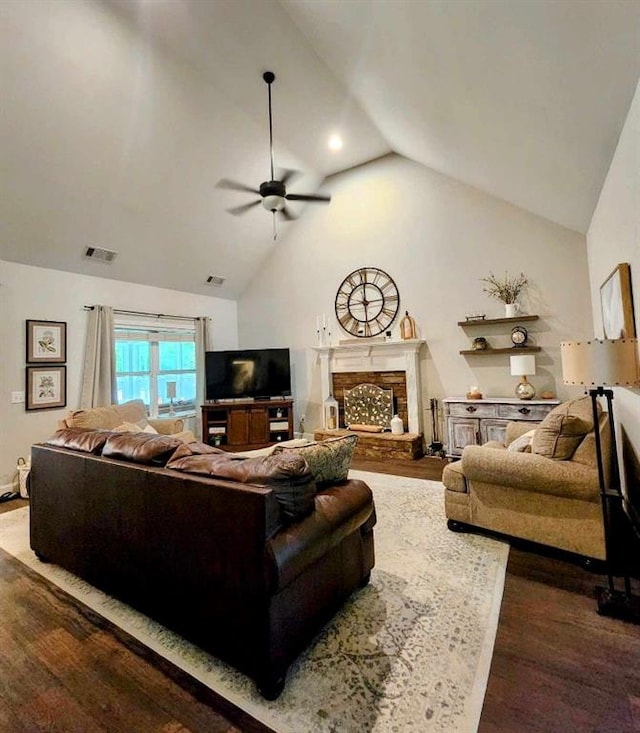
{"x": 410, "y": 652}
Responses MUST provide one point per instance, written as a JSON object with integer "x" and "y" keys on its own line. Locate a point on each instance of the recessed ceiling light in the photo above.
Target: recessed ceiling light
{"x": 335, "y": 142}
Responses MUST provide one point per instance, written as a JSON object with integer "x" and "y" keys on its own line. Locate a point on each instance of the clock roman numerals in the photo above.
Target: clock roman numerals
{"x": 367, "y": 302}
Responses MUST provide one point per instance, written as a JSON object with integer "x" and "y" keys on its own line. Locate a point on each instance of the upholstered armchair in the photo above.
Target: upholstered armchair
{"x": 127, "y": 417}
{"x": 544, "y": 489}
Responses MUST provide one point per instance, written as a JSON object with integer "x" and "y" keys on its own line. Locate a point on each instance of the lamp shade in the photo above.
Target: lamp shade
{"x": 522, "y": 365}
{"x": 171, "y": 390}
{"x": 600, "y": 362}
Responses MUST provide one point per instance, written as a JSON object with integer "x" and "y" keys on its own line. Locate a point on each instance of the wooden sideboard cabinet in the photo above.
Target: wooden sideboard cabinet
{"x": 247, "y": 425}
{"x": 474, "y": 422}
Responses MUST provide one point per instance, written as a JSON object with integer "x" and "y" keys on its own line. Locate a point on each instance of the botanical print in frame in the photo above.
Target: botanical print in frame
{"x": 617, "y": 304}
{"x": 46, "y": 342}
{"x": 46, "y": 387}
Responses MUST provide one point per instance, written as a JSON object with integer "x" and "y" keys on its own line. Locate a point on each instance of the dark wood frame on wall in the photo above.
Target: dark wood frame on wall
{"x": 39, "y": 402}
{"x": 39, "y": 350}
{"x": 616, "y": 301}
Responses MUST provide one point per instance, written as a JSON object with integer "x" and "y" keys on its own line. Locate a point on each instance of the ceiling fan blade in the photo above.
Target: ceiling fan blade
{"x": 287, "y": 175}
{"x": 287, "y": 214}
{"x": 307, "y": 197}
{"x": 239, "y": 210}
{"x": 233, "y": 186}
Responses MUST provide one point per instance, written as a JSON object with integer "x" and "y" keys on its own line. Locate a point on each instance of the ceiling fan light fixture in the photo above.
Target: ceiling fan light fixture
{"x": 273, "y": 203}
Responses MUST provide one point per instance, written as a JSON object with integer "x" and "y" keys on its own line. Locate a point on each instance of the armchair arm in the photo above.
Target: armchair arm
{"x": 530, "y": 472}
{"x": 167, "y": 426}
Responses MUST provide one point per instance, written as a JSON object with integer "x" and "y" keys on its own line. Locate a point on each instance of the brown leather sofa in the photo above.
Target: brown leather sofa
{"x": 248, "y": 561}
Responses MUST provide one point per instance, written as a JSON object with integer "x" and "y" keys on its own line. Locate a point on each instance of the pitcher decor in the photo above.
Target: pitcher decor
{"x": 506, "y": 290}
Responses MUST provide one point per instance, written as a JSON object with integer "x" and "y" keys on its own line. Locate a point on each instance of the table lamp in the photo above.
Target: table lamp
{"x": 523, "y": 365}
{"x": 594, "y": 364}
{"x": 171, "y": 394}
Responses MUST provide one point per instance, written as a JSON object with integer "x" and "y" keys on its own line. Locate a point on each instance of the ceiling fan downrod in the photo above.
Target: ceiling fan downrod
{"x": 270, "y": 77}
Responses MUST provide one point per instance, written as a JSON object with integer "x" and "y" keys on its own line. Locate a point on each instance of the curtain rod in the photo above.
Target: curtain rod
{"x": 144, "y": 313}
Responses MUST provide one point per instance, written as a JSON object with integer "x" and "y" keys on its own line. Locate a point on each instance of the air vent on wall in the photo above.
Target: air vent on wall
{"x": 215, "y": 280}
{"x": 101, "y": 255}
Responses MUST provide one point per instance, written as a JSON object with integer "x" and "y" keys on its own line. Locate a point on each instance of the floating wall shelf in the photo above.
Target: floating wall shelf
{"x": 508, "y": 350}
{"x": 489, "y": 321}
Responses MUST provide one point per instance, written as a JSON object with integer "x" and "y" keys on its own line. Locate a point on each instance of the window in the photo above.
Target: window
{"x": 152, "y": 358}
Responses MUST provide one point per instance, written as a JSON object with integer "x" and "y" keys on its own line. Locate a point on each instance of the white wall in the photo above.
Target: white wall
{"x": 614, "y": 237}
{"x": 436, "y": 237}
{"x": 42, "y": 294}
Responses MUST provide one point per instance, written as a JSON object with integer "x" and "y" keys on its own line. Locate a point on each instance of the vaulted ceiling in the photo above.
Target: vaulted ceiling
{"x": 121, "y": 116}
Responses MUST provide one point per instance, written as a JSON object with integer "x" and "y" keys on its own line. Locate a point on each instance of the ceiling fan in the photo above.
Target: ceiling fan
{"x": 273, "y": 193}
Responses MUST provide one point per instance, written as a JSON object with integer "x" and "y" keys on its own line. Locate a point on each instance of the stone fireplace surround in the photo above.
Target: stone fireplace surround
{"x": 381, "y": 356}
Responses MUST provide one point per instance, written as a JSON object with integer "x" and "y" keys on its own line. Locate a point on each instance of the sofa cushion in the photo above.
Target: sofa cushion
{"x": 80, "y": 439}
{"x": 563, "y": 429}
{"x": 329, "y": 460}
{"x": 141, "y": 447}
{"x": 287, "y": 475}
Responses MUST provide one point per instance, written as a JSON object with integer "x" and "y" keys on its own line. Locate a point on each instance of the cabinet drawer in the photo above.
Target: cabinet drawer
{"x": 523, "y": 412}
{"x": 468, "y": 409}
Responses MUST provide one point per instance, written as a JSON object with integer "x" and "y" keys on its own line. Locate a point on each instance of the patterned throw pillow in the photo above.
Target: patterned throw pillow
{"x": 328, "y": 460}
{"x": 522, "y": 444}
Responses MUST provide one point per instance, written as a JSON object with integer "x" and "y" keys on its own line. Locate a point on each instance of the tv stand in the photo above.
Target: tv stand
{"x": 246, "y": 425}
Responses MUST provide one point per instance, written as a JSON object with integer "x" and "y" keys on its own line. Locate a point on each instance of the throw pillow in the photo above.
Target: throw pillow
{"x": 128, "y": 427}
{"x": 142, "y": 426}
{"x": 329, "y": 460}
{"x": 523, "y": 443}
{"x": 563, "y": 429}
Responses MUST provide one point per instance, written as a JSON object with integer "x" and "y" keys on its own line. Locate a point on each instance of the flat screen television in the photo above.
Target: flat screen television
{"x": 248, "y": 373}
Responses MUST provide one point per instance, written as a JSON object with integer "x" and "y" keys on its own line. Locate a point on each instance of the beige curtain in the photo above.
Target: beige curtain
{"x": 99, "y": 371}
{"x": 204, "y": 342}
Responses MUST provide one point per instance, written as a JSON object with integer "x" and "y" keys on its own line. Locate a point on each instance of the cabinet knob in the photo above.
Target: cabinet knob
{"x": 471, "y": 408}
{"x": 524, "y": 410}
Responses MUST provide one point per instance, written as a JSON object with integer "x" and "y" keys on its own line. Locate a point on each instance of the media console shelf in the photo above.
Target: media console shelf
{"x": 247, "y": 424}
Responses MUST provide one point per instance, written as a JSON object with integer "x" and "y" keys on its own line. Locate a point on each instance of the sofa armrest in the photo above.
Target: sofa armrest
{"x": 530, "y": 472}
{"x": 167, "y": 426}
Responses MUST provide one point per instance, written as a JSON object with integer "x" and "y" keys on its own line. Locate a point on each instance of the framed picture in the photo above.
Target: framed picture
{"x": 617, "y": 304}
{"x": 46, "y": 387}
{"x": 46, "y": 342}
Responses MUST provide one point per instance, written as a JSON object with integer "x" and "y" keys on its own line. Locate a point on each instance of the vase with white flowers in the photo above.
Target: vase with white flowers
{"x": 506, "y": 290}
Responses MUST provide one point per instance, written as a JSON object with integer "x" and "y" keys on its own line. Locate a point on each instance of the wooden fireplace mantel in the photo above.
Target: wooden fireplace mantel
{"x": 379, "y": 356}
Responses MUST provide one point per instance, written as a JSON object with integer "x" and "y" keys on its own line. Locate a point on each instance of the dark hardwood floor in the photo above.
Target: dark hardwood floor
{"x": 557, "y": 665}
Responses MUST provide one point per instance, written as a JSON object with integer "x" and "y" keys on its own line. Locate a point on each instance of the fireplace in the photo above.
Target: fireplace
{"x": 388, "y": 364}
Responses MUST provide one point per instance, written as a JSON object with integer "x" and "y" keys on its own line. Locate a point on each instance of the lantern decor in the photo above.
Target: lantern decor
{"x": 331, "y": 413}
{"x": 407, "y": 327}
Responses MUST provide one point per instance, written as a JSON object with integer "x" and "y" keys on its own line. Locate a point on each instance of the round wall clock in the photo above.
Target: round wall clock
{"x": 519, "y": 336}
{"x": 367, "y": 302}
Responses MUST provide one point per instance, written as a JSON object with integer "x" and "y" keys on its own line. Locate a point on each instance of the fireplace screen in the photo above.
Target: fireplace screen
{"x": 367, "y": 404}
